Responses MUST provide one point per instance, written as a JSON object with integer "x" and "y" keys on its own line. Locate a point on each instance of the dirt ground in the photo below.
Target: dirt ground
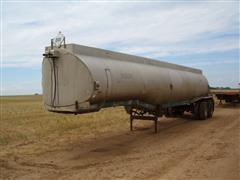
{"x": 183, "y": 148}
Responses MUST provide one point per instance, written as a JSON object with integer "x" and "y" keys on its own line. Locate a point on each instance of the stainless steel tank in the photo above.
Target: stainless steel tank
{"x": 79, "y": 79}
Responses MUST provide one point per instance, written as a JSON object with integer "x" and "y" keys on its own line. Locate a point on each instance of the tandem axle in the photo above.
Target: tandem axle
{"x": 201, "y": 108}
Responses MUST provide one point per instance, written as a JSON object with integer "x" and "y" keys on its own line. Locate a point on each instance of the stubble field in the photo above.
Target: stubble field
{"x": 36, "y": 144}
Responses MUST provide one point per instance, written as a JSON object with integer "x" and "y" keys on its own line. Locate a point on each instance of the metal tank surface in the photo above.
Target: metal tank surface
{"x": 79, "y": 79}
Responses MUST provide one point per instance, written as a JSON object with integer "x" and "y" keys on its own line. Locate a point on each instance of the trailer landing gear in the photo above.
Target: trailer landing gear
{"x": 139, "y": 115}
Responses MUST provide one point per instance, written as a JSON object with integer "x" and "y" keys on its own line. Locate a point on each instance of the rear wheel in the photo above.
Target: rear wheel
{"x": 196, "y": 110}
{"x": 210, "y": 108}
{"x": 203, "y": 110}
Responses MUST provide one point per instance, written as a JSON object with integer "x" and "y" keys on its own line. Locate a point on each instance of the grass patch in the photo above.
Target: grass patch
{"x": 24, "y": 119}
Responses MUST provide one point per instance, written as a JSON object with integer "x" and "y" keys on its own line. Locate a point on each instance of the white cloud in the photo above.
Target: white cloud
{"x": 211, "y": 62}
{"x": 22, "y": 88}
{"x": 153, "y": 29}
{"x": 156, "y": 29}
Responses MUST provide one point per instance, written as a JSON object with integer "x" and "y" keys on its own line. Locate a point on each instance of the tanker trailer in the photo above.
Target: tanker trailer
{"x": 79, "y": 79}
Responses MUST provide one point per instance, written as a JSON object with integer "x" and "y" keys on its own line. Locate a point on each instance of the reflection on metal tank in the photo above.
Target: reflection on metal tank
{"x": 80, "y": 79}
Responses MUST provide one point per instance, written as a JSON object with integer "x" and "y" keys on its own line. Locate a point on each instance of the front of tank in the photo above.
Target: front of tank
{"x": 67, "y": 82}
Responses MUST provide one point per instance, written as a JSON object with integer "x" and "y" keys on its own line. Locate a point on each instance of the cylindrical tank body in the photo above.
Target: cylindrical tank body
{"x": 79, "y": 77}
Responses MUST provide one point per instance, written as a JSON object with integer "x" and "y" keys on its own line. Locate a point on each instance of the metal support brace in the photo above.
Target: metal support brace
{"x": 156, "y": 120}
{"x": 131, "y": 123}
{"x": 151, "y": 118}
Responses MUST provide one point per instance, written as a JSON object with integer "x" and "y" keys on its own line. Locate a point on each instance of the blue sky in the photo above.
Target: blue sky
{"x": 200, "y": 34}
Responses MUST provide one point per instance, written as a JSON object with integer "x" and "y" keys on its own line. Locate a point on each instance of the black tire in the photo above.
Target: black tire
{"x": 203, "y": 110}
{"x": 210, "y": 108}
{"x": 196, "y": 110}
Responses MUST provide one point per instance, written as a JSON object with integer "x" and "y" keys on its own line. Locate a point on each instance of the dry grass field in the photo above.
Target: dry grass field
{"x": 36, "y": 144}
